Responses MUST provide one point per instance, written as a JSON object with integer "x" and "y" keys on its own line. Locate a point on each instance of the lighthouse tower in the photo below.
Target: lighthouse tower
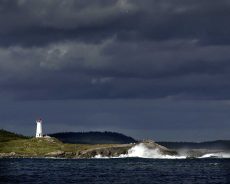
{"x": 39, "y": 128}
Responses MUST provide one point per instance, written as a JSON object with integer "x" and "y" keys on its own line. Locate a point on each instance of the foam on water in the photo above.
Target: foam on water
{"x": 216, "y": 155}
{"x": 142, "y": 151}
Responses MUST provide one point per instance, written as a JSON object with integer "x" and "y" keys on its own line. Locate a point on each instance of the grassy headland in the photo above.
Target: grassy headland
{"x": 38, "y": 147}
{"x": 14, "y": 145}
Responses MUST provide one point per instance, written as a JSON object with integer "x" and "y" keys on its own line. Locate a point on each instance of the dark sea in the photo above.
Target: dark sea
{"x": 116, "y": 170}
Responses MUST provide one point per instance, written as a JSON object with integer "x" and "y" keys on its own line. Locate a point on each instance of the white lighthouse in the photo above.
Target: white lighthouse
{"x": 39, "y": 128}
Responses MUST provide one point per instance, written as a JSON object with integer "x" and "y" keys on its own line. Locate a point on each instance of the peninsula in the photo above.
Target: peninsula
{"x": 14, "y": 145}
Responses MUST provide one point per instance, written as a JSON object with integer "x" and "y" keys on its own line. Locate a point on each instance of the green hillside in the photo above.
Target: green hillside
{"x": 11, "y": 142}
{"x": 36, "y": 147}
{"x": 8, "y": 136}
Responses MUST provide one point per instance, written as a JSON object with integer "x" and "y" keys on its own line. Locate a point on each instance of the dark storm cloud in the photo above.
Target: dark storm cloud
{"x": 115, "y": 49}
{"x": 42, "y": 22}
{"x": 25, "y": 22}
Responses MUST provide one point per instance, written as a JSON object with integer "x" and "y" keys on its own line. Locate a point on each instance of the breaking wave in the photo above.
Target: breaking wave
{"x": 142, "y": 151}
{"x": 216, "y": 155}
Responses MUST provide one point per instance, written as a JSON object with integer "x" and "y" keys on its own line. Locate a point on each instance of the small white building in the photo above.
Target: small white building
{"x": 39, "y": 128}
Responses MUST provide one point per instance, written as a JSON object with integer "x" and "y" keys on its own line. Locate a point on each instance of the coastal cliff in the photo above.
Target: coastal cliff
{"x": 13, "y": 146}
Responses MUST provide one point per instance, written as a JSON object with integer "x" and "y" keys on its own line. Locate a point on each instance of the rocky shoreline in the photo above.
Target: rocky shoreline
{"x": 16, "y": 146}
{"x": 107, "y": 151}
{"x": 118, "y": 150}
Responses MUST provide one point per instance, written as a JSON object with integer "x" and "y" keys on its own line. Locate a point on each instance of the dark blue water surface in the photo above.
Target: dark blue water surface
{"x": 128, "y": 170}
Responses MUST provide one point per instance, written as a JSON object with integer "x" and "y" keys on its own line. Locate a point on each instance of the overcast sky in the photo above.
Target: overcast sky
{"x": 156, "y": 69}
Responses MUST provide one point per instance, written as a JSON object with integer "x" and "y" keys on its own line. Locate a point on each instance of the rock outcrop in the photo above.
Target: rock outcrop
{"x": 7, "y": 155}
{"x": 150, "y": 144}
{"x": 122, "y": 149}
{"x": 58, "y": 153}
{"x": 111, "y": 151}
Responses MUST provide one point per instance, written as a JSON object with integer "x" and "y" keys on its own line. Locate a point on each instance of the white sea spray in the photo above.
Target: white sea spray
{"x": 142, "y": 151}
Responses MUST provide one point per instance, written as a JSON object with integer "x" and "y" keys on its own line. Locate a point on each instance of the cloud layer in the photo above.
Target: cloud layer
{"x": 114, "y": 49}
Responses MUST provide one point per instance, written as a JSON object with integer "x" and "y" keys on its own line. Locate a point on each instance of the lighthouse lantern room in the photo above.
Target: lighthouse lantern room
{"x": 39, "y": 128}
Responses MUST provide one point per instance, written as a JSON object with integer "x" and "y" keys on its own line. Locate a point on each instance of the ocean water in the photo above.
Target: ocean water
{"x": 115, "y": 170}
